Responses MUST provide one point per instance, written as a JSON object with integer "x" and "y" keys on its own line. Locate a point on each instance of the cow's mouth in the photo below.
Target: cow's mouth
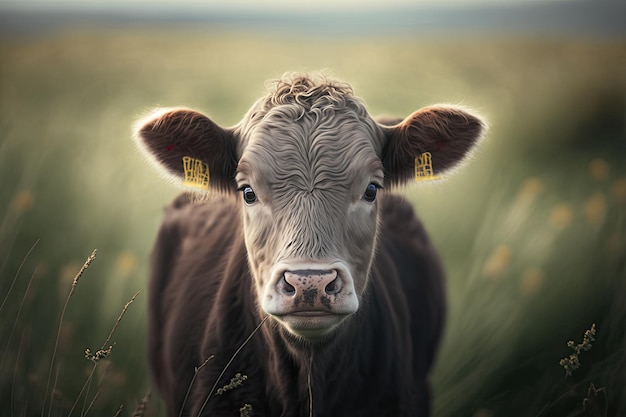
{"x": 310, "y": 324}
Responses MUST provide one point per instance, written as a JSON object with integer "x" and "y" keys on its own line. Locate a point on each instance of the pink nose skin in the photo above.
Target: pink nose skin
{"x": 310, "y": 289}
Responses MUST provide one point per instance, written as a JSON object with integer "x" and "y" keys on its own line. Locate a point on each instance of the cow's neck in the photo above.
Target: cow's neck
{"x": 307, "y": 375}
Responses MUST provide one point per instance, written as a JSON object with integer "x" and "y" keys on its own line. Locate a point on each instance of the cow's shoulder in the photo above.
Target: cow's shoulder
{"x": 405, "y": 248}
{"x": 193, "y": 243}
{"x": 196, "y": 238}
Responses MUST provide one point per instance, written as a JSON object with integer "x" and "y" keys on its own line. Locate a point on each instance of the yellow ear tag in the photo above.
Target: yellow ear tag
{"x": 196, "y": 173}
{"x": 424, "y": 168}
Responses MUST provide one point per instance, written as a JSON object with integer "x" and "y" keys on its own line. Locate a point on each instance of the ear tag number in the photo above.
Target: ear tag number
{"x": 196, "y": 173}
{"x": 424, "y": 168}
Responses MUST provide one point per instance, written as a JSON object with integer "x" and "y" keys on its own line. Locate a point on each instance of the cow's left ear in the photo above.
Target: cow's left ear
{"x": 429, "y": 142}
{"x": 189, "y": 148}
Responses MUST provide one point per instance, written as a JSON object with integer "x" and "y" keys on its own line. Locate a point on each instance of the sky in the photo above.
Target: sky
{"x": 285, "y": 5}
{"x": 598, "y": 18}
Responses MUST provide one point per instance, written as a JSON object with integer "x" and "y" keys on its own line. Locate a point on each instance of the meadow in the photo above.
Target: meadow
{"x": 532, "y": 231}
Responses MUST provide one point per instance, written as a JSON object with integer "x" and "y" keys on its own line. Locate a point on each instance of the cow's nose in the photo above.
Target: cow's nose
{"x": 310, "y": 283}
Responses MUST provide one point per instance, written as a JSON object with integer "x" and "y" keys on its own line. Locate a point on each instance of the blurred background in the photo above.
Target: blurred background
{"x": 532, "y": 231}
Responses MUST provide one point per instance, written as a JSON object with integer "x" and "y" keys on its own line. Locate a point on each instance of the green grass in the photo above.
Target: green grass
{"x": 532, "y": 231}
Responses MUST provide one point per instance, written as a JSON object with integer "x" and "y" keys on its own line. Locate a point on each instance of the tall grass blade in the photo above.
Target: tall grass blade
{"x": 56, "y": 343}
{"x": 245, "y": 342}
{"x": 6, "y": 297}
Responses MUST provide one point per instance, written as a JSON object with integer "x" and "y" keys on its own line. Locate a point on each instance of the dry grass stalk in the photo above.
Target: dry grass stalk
{"x": 310, "y": 388}
{"x": 119, "y": 411}
{"x": 235, "y": 382}
{"x": 85, "y": 411}
{"x": 572, "y": 362}
{"x": 17, "y": 361}
{"x": 101, "y": 353}
{"x": 6, "y": 297}
{"x": 195, "y": 375}
{"x": 17, "y": 317}
{"x": 56, "y": 343}
{"x": 141, "y": 407}
{"x": 119, "y": 318}
{"x": 245, "y": 342}
{"x": 245, "y": 411}
{"x": 93, "y": 400}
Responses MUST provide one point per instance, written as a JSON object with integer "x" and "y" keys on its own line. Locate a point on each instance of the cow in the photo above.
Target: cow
{"x": 300, "y": 286}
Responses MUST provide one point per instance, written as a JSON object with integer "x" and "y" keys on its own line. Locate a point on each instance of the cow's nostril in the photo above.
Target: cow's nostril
{"x": 286, "y": 288}
{"x": 333, "y": 287}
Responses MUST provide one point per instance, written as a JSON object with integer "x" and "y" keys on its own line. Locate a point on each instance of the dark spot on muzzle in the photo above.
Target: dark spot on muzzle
{"x": 325, "y": 301}
{"x": 309, "y": 296}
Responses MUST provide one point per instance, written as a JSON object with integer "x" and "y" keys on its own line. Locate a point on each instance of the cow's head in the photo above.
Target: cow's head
{"x": 308, "y": 162}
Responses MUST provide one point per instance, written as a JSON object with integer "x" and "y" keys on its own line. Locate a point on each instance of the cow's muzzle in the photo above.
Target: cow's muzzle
{"x": 311, "y": 302}
{"x": 310, "y": 289}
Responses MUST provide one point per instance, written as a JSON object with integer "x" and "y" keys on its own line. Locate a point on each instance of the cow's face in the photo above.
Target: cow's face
{"x": 309, "y": 189}
{"x": 308, "y": 163}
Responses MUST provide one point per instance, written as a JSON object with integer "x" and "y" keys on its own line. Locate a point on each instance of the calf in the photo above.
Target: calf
{"x": 300, "y": 272}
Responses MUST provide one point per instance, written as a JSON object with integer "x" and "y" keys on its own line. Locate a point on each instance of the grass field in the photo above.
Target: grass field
{"x": 532, "y": 232}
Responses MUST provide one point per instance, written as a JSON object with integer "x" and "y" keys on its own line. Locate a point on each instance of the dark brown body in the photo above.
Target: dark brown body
{"x": 202, "y": 303}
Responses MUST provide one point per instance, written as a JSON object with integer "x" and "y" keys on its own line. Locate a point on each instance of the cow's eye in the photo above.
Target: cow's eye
{"x": 370, "y": 193}
{"x": 248, "y": 195}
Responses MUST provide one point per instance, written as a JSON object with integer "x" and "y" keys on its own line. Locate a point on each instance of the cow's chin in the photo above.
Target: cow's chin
{"x": 311, "y": 325}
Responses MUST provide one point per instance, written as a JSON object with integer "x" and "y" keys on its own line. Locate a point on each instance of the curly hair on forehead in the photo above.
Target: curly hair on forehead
{"x": 303, "y": 99}
{"x": 315, "y": 91}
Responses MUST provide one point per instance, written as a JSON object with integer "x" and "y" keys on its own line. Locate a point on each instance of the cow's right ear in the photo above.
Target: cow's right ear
{"x": 189, "y": 148}
{"x": 429, "y": 142}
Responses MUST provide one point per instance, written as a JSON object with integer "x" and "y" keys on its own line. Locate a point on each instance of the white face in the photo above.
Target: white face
{"x": 308, "y": 191}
